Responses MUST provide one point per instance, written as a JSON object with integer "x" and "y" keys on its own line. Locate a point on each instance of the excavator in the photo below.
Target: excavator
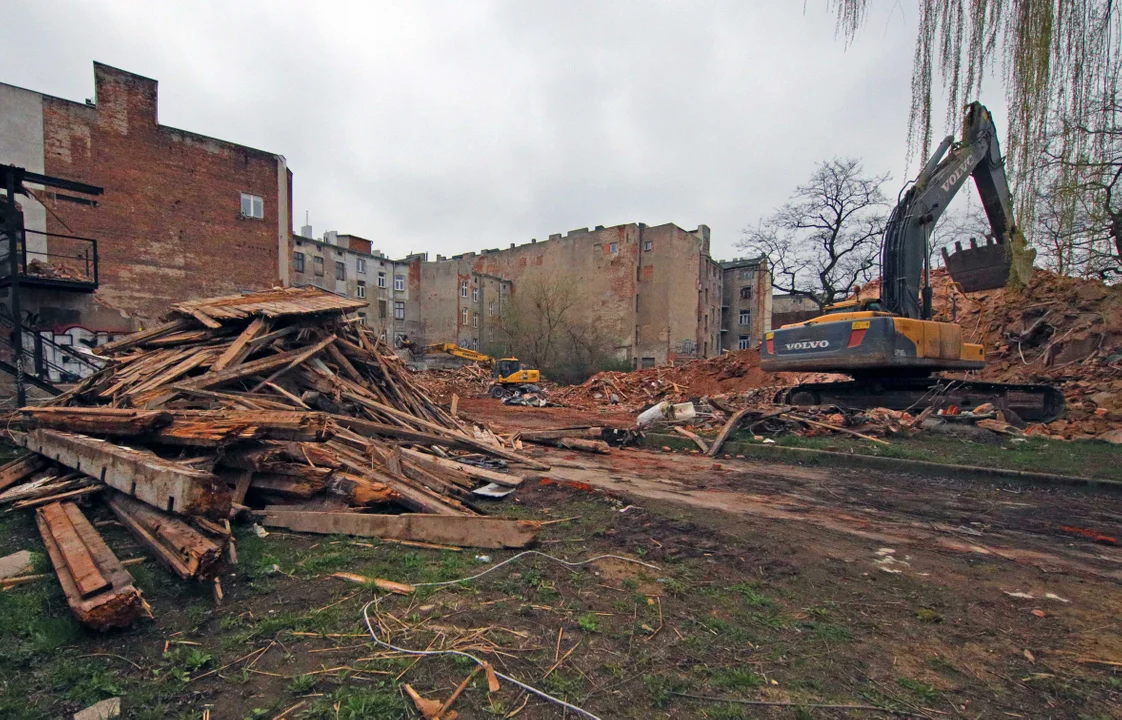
{"x": 890, "y": 345}
{"x": 509, "y": 377}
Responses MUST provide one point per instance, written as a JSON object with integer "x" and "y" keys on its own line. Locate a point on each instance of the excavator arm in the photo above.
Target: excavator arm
{"x": 905, "y": 260}
{"x": 460, "y": 352}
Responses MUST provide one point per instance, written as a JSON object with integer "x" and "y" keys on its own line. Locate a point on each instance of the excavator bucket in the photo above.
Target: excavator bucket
{"x": 979, "y": 267}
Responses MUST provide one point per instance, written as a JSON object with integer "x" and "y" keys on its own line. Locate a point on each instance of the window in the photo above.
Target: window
{"x": 362, "y": 315}
{"x": 398, "y": 282}
{"x": 317, "y": 264}
{"x": 381, "y": 279}
{"x": 490, "y": 333}
{"x": 647, "y": 245}
{"x": 464, "y": 317}
{"x": 252, "y": 206}
{"x": 744, "y": 343}
{"x": 360, "y": 291}
{"x": 298, "y": 262}
{"x": 475, "y": 294}
{"x": 613, "y": 248}
{"x": 360, "y": 266}
{"x": 745, "y": 317}
{"x": 463, "y": 288}
{"x": 746, "y": 292}
{"x": 475, "y": 320}
{"x": 491, "y": 309}
{"x": 398, "y": 310}
{"x": 647, "y": 362}
{"x": 381, "y": 309}
{"x": 340, "y": 270}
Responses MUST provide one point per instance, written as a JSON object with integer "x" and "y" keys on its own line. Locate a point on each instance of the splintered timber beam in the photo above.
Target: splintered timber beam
{"x": 96, "y": 420}
{"x": 465, "y": 531}
{"x": 183, "y": 549}
{"x": 18, "y": 469}
{"x": 99, "y": 590}
{"x": 164, "y": 484}
{"x": 472, "y": 471}
{"x": 208, "y": 428}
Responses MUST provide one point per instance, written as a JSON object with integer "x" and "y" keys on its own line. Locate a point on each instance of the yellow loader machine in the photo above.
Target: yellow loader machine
{"x": 889, "y": 345}
{"x": 509, "y": 377}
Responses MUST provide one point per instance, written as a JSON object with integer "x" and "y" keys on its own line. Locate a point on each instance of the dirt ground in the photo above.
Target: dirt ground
{"x": 763, "y": 583}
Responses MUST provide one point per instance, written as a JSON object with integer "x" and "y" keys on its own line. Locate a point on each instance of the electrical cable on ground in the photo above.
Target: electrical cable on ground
{"x": 528, "y": 688}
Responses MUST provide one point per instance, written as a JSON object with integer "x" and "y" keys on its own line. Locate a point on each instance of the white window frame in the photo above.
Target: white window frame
{"x": 464, "y": 316}
{"x": 381, "y": 279}
{"x": 298, "y": 259}
{"x": 252, "y": 206}
{"x": 398, "y": 309}
{"x": 398, "y": 282}
{"x": 475, "y": 294}
{"x": 745, "y": 315}
{"x": 360, "y": 289}
{"x": 613, "y": 248}
{"x": 340, "y": 270}
{"x": 648, "y": 245}
{"x": 744, "y": 342}
{"x": 491, "y": 309}
{"x": 360, "y": 265}
{"x": 463, "y": 288}
{"x": 475, "y": 320}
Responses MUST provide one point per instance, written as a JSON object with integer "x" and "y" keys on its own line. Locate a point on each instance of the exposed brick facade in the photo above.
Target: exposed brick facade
{"x": 654, "y": 291}
{"x": 169, "y": 226}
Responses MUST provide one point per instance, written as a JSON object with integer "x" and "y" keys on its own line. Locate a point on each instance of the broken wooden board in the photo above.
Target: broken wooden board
{"x": 181, "y": 548}
{"x": 98, "y": 589}
{"x": 210, "y": 428}
{"x": 20, "y": 468}
{"x": 96, "y": 420}
{"x": 169, "y": 486}
{"x": 387, "y": 585}
{"x": 465, "y": 531}
{"x": 472, "y": 471}
{"x": 19, "y": 563}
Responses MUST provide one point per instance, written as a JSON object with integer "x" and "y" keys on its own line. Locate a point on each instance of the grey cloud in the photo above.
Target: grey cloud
{"x": 448, "y": 127}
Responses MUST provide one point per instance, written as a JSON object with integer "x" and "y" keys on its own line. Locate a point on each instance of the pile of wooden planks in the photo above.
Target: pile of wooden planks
{"x": 277, "y": 406}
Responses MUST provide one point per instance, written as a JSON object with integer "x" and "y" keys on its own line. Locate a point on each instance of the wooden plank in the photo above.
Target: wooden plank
{"x": 20, "y": 468}
{"x": 301, "y": 358}
{"x": 559, "y": 433}
{"x": 726, "y": 430}
{"x": 692, "y": 436}
{"x": 96, "y": 420}
{"x": 472, "y": 471}
{"x": 183, "y": 549}
{"x": 119, "y": 604}
{"x": 167, "y": 485}
{"x": 87, "y": 578}
{"x": 210, "y": 428}
{"x": 139, "y": 337}
{"x": 261, "y": 365}
{"x": 240, "y": 348}
{"x": 205, "y": 319}
{"x": 464, "y": 531}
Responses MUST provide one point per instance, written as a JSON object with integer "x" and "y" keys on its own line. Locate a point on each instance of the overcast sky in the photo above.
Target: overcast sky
{"x": 459, "y": 125}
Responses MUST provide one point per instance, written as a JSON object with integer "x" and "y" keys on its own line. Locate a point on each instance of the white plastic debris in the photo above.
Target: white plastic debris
{"x": 260, "y": 531}
{"x": 667, "y": 412}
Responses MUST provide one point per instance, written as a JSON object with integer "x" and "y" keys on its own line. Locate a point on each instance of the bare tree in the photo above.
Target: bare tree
{"x": 548, "y": 325}
{"x": 826, "y": 238}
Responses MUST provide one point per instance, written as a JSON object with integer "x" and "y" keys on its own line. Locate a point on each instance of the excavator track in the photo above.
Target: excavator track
{"x": 1033, "y": 403}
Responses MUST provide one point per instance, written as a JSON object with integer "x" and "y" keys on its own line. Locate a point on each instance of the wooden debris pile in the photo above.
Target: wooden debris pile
{"x": 469, "y": 380}
{"x": 277, "y": 401}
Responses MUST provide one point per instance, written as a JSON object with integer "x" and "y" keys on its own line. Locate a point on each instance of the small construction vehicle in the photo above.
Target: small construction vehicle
{"x": 890, "y": 345}
{"x": 509, "y": 378}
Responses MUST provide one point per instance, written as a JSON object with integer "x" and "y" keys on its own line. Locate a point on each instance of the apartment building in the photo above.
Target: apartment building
{"x": 746, "y": 309}
{"x": 654, "y": 291}
{"x": 350, "y": 266}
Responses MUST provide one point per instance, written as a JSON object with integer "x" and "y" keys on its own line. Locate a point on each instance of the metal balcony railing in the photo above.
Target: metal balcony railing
{"x": 53, "y": 260}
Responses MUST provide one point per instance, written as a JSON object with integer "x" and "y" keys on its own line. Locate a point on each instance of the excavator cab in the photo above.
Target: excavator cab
{"x": 506, "y": 367}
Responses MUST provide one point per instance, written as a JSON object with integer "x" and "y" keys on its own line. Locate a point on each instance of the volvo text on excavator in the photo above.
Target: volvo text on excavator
{"x": 890, "y": 345}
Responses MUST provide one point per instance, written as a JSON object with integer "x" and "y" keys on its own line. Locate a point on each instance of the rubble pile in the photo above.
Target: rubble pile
{"x": 1061, "y": 331}
{"x": 468, "y": 380}
{"x": 728, "y": 374}
{"x": 276, "y": 401}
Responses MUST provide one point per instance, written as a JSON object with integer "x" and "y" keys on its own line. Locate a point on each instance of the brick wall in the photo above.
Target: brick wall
{"x": 169, "y": 226}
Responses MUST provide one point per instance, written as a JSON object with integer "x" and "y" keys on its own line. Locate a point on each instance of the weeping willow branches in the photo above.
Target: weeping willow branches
{"x": 1059, "y": 61}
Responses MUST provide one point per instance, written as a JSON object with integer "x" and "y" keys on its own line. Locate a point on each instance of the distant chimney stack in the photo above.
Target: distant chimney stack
{"x": 306, "y": 231}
